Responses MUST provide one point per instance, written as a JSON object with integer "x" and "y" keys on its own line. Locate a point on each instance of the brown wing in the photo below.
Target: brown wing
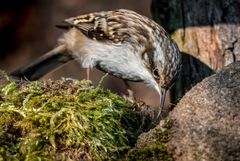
{"x": 113, "y": 26}
{"x": 116, "y": 26}
{"x": 93, "y": 25}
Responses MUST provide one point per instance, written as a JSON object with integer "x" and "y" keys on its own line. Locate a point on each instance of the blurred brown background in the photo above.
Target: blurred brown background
{"x": 27, "y": 30}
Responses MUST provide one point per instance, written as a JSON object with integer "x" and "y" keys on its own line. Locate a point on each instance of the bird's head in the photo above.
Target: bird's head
{"x": 165, "y": 68}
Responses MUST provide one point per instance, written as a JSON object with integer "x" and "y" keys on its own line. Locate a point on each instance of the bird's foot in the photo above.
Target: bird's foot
{"x": 129, "y": 95}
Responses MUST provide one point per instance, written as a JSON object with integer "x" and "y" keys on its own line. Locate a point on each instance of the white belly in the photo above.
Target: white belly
{"x": 118, "y": 60}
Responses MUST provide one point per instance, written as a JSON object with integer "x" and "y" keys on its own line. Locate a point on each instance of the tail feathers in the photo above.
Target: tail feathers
{"x": 44, "y": 64}
{"x": 64, "y": 26}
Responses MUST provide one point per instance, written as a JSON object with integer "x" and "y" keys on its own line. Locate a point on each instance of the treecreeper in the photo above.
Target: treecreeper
{"x": 122, "y": 43}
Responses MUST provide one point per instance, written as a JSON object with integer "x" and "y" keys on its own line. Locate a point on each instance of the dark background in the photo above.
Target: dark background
{"x": 27, "y": 30}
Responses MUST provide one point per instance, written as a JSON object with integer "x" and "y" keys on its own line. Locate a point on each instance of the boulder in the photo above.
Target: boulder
{"x": 207, "y": 119}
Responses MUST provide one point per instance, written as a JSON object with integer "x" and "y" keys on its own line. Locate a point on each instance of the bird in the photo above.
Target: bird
{"x": 119, "y": 42}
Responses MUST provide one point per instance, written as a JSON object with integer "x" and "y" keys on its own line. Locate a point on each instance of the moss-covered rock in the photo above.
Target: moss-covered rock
{"x": 66, "y": 120}
{"x": 152, "y": 144}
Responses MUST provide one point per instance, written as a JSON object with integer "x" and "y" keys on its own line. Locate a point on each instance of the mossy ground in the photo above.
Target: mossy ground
{"x": 151, "y": 145}
{"x": 66, "y": 120}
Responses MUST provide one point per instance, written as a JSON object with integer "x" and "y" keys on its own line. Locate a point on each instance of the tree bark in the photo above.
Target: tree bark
{"x": 207, "y": 30}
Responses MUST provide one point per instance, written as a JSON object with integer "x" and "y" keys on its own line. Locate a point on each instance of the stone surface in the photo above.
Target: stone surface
{"x": 207, "y": 119}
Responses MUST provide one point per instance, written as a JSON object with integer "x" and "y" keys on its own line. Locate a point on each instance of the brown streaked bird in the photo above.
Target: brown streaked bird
{"x": 120, "y": 42}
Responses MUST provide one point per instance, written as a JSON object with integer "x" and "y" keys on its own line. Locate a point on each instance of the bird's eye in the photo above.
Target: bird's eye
{"x": 156, "y": 73}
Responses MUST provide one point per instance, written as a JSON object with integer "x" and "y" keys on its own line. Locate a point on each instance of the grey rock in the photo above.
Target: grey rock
{"x": 207, "y": 119}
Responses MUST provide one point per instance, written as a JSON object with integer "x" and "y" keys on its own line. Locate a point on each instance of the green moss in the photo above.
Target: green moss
{"x": 179, "y": 36}
{"x": 65, "y": 120}
{"x": 153, "y": 146}
{"x": 153, "y": 152}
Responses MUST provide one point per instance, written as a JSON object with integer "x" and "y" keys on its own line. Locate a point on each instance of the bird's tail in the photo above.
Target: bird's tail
{"x": 44, "y": 64}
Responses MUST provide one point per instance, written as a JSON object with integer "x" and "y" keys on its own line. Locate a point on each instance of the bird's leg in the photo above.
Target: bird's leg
{"x": 88, "y": 73}
{"x": 130, "y": 95}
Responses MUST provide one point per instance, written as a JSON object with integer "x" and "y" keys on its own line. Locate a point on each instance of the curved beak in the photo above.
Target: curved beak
{"x": 162, "y": 95}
